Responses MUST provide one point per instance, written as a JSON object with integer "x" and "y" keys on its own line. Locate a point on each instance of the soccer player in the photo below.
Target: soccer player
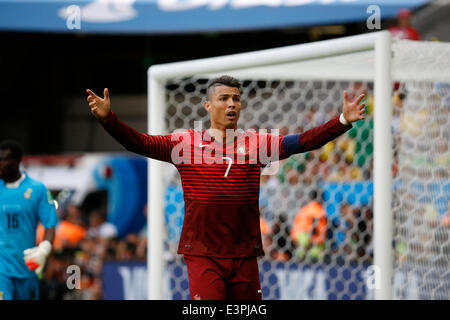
{"x": 23, "y": 201}
{"x": 220, "y": 173}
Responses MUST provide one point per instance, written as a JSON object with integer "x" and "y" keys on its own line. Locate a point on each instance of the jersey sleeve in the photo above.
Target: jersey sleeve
{"x": 312, "y": 139}
{"x": 46, "y": 208}
{"x": 157, "y": 147}
{"x": 317, "y": 137}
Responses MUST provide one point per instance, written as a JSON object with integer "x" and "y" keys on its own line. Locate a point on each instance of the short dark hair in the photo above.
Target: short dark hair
{"x": 14, "y": 147}
{"x": 222, "y": 81}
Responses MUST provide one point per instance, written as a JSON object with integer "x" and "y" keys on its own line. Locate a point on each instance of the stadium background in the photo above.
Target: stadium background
{"x": 43, "y": 81}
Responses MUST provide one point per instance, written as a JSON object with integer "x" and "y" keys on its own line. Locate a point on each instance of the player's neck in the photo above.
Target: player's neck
{"x": 12, "y": 177}
{"x": 222, "y": 134}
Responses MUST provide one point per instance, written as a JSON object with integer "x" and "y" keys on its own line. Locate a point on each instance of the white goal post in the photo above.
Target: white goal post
{"x": 277, "y": 63}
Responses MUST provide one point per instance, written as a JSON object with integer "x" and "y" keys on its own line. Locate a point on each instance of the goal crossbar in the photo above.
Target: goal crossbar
{"x": 293, "y": 53}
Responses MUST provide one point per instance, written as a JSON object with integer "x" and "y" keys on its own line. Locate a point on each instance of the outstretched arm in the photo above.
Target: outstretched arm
{"x": 153, "y": 146}
{"x": 318, "y": 136}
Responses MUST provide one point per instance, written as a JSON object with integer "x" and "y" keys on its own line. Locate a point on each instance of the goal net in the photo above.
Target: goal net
{"x": 317, "y": 208}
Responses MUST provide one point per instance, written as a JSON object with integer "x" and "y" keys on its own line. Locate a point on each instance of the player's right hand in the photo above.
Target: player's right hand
{"x": 36, "y": 257}
{"x": 100, "y": 107}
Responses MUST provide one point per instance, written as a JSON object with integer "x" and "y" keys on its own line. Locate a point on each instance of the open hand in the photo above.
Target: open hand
{"x": 353, "y": 111}
{"x": 100, "y": 107}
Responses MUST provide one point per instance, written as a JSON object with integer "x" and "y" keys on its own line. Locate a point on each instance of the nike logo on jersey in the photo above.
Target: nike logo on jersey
{"x": 203, "y": 145}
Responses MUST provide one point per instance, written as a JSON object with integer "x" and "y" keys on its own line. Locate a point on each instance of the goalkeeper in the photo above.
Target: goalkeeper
{"x": 23, "y": 201}
{"x": 221, "y": 237}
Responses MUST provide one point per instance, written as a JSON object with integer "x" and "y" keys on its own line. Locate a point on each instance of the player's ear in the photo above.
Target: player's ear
{"x": 207, "y": 105}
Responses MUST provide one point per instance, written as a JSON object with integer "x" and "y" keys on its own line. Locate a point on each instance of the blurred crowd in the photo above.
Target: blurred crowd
{"x": 87, "y": 245}
{"x": 313, "y": 236}
{"x": 299, "y": 227}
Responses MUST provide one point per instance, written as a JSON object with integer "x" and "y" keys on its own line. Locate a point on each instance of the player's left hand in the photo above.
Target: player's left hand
{"x": 36, "y": 257}
{"x": 353, "y": 111}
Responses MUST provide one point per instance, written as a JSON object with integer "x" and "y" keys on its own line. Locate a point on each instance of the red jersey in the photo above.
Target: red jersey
{"x": 221, "y": 182}
{"x": 408, "y": 33}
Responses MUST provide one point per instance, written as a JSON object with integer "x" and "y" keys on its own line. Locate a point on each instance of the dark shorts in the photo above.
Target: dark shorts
{"x": 223, "y": 278}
